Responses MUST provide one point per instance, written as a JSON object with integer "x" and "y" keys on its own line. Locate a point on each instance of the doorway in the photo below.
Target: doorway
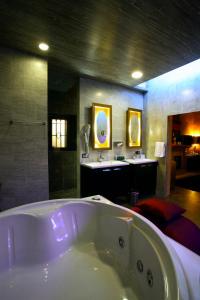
{"x": 62, "y": 133}
{"x": 184, "y": 151}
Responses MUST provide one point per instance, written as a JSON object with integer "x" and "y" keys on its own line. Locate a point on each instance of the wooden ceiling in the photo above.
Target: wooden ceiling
{"x": 106, "y": 39}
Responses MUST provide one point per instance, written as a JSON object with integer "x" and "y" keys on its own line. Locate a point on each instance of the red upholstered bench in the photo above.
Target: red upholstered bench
{"x": 168, "y": 218}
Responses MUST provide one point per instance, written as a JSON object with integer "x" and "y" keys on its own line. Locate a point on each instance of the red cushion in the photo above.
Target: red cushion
{"x": 136, "y": 209}
{"x": 161, "y": 208}
{"x": 184, "y": 232}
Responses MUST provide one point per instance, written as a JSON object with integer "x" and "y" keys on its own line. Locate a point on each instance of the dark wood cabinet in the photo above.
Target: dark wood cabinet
{"x": 116, "y": 183}
{"x": 193, "y": 162}
{"x": 110, "y": 182}
{"x": 143, "y": 178}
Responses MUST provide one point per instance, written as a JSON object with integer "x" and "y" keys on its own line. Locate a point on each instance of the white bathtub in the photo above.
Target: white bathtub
{"x": 86, "y": 249}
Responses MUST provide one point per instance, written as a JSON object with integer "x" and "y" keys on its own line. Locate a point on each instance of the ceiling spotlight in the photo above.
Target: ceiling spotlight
{"x": 43, "y": 46}
{"x": 137, "y": 74}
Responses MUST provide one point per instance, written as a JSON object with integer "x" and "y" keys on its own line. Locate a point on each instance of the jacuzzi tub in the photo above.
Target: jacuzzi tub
{"x": 86, "y": 249}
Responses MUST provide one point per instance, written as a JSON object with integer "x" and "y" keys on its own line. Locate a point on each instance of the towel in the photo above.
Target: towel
{"x": 160, "y": 149}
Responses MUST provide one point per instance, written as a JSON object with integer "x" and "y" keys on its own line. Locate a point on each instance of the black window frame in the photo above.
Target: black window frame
{"x": 71, "y": 132}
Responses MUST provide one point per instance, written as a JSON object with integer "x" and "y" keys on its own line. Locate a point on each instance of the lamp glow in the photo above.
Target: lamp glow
{"x": 137, "y": 74}
{"x": 43, "y": 46}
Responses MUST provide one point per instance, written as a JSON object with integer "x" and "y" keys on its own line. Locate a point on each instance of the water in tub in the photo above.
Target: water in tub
{"x": 78, "y": 274}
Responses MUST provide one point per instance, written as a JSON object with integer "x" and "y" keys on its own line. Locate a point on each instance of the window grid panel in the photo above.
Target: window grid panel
{"x": 59, "y": 133}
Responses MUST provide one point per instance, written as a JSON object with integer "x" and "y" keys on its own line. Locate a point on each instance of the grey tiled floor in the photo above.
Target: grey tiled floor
{"x": 190, "y": 200}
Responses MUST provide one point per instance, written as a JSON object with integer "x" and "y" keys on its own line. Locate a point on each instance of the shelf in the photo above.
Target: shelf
{"x": 179, "y": 146}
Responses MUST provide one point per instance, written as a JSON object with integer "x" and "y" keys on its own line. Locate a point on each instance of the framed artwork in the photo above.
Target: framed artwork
{"x": 101, "y": 126}
{"x": 134, "y": 128}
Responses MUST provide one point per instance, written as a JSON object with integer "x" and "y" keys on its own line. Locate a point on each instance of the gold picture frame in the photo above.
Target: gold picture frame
{"x": 101, "y": 126}
{"x": 134, "y": 128}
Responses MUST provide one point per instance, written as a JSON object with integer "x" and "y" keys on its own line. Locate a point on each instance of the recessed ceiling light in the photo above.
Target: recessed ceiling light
{"x": 43, "y": 46}
{"x": 137, "y": 74}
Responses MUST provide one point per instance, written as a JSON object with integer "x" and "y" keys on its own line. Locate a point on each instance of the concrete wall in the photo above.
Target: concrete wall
{"x": 173, "y": 93}
{"x": 23, "y": 150}
{"x": 92, "y": 91}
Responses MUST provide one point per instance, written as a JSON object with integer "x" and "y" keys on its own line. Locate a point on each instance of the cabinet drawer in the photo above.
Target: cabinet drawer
{"x": 109, "y": 182}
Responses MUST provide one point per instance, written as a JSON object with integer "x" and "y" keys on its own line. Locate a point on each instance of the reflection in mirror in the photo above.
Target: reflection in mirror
{"x": 101, "y": 126}
{"x": 133, "y": 128}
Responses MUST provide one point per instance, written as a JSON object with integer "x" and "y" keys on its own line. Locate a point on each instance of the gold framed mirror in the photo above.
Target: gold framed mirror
{"x": 101, "y": 126}
{"x": 134, "y": 128}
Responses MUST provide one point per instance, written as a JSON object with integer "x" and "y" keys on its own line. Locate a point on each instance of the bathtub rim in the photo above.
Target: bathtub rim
{"x": 59, "y": 203}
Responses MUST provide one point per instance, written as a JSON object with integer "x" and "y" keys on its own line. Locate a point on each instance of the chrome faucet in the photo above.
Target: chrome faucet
{"x": 100, "y": 157}
{"x": 138, "y": 154}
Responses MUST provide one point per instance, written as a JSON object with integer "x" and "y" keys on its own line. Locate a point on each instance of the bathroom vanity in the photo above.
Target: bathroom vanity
{"x": 116, "y": 179}
{"x": 143, "y": 176}
{"x": 107, "y": 178}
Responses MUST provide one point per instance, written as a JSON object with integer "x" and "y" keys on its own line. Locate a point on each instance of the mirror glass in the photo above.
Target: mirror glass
{"x": 101, "y": 126}
{"x": 133, "y": 128}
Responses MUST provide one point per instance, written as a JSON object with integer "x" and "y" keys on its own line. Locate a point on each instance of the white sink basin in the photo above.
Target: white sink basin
{"x": 140, "y": 161}
{"x": 104, "y": 164}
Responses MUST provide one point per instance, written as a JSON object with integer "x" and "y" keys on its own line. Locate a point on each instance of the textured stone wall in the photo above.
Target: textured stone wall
{"x": 92, "y": 91}
{"x": 173, "y": 93}
{"x": 23, "y": 150}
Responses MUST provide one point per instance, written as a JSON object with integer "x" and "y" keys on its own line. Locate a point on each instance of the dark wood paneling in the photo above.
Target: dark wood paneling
{"x": 106, "y": 39}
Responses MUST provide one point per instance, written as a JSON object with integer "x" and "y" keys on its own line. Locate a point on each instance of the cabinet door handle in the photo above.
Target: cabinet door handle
{"x": 117, "y": 169}
{"x": 106, "y": 170}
